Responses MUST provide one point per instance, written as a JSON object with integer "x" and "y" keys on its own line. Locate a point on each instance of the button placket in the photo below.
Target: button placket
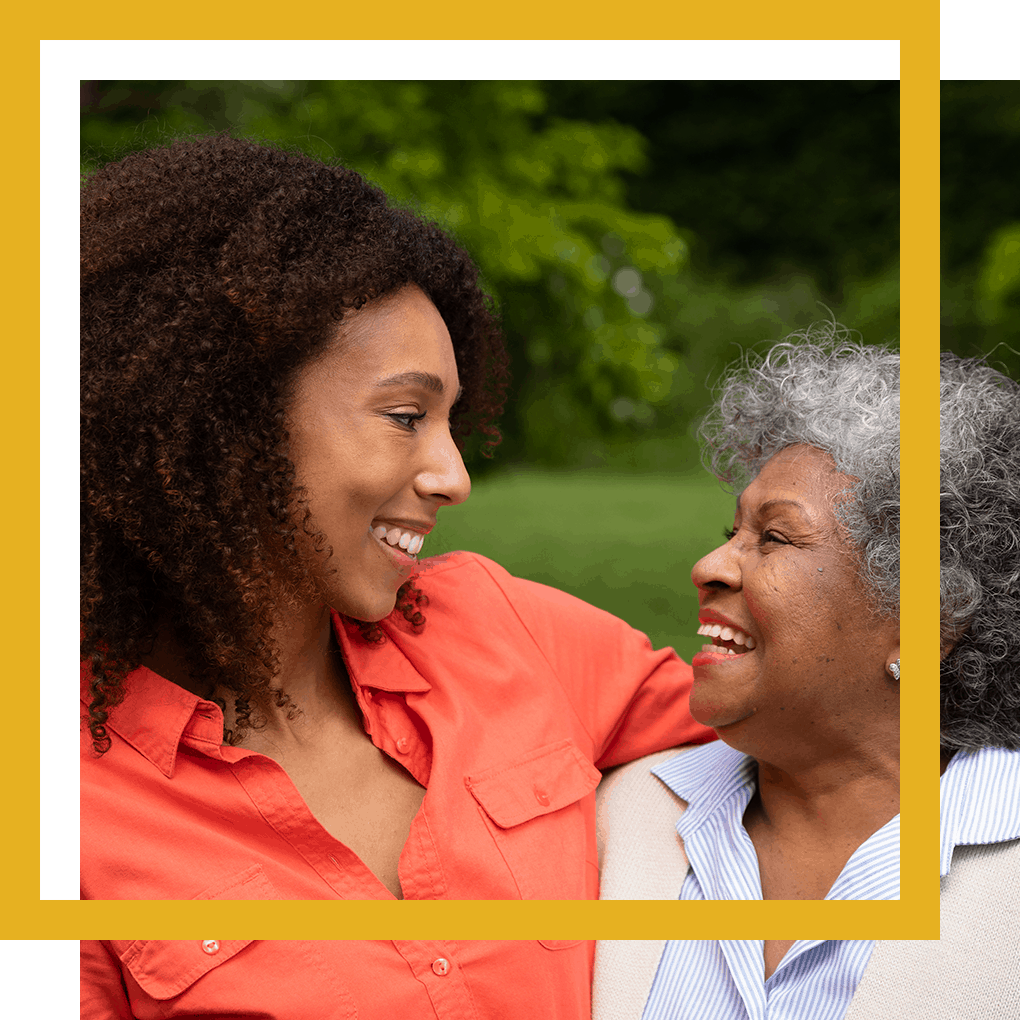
{"x": 441, "y": 967}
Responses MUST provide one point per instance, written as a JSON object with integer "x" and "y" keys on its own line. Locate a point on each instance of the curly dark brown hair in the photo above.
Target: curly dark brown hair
{"x": 211, "y": 270}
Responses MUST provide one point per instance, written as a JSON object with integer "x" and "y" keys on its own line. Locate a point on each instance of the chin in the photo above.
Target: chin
{"x": 705, "y": 709}
{"x": 713, "y": 713}
{"x": 373, "y": 615}
{"x": 365, "y": 610}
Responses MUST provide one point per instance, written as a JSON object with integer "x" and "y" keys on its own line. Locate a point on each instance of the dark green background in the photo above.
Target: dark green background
{"x": 726, "y": 214}
{"x": 981, "y": 220}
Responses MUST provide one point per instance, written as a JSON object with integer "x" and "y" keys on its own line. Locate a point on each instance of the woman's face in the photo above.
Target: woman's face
{"x": 803, "y": 655}
{"x": 371, "y": 447}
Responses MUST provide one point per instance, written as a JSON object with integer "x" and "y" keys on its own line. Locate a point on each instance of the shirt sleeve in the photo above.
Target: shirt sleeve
{"x": 631, "y": 699}
{"x": 103, "y": 996}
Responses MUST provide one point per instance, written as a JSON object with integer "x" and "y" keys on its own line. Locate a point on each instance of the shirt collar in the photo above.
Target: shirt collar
{"x": 156, "y": 714}
{"x": 717, "y": 782}
{"x": 706, "y": 777}
{"x": 979, "y": 800}
{"x": 389, "y": 665}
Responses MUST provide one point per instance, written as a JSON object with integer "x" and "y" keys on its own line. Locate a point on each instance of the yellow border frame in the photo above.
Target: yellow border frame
{"x": 916, "y": 914}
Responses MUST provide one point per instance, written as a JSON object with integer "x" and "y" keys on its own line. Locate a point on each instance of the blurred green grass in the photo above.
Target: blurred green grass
{"x": 623, "y": 542}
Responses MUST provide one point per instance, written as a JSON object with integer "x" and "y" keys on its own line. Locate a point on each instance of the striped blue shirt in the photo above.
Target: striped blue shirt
{"x": 980, "y": 804}
{"x": 717, "y": 782}
{"x": 724, "y": 980}
{"x": 979, "y": 801}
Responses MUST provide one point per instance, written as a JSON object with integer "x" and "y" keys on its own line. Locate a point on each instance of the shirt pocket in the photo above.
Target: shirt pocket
{"x": 538, "y": 809}
{"x": 250, "y": 884}
{"x": 192, "y": 978}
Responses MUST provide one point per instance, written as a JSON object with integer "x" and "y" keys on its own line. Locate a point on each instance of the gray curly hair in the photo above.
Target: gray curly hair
{"x": 823, "y": 389}
{"x": 980, "y": 422}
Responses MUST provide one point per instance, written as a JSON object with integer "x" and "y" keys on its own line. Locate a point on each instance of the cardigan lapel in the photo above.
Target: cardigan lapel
{"x": 641, "y": 857}
{"x": 624, "y": 971}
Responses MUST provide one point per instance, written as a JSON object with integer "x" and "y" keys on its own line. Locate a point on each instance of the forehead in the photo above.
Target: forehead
{"x": 802, "y": 474}
{"x": 401, "y": 319}
{"x": 400, "y": 333}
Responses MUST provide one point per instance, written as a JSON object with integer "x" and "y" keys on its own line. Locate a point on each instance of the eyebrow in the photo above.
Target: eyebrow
{"x": 426, "y": 380}
{"x": 770, "y": 503}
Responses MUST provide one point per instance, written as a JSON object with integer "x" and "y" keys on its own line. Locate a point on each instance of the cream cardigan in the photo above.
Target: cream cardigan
{"x": 973, "y": 973}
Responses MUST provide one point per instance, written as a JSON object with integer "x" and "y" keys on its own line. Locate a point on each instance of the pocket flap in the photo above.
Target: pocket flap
{"x": 165, "y": 968}
{"x": 250, "y": 884}
{"x": 534, "y": 784}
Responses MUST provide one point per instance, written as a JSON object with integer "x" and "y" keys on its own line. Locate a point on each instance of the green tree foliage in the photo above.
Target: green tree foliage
{"x": 613, "y": 328}
{"x": 767, "y": 176}
{"x": 981, "y": 220}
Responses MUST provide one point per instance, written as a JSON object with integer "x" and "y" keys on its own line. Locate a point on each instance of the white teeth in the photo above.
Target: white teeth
{"x": 719, "y": 650}
{"x": 406, "y": 540}
{"x": 717, "y": 630}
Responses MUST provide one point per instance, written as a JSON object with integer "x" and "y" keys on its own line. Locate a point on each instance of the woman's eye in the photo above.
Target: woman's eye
{"x": 407, "y": 420}
{"x": 771, "y": 536}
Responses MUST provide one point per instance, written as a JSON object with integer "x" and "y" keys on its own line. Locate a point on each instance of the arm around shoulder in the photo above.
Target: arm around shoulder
{"x": 632, "y": 699}
{"x": 103, "y": 995}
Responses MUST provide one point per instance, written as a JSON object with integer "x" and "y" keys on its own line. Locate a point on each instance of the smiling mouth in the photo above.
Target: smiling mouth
{"x": 398, "y": 538}
{"x": 726, "y": 640}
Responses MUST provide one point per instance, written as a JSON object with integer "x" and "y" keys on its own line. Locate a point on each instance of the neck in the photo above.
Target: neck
{"x": 826, "y": 764}
{"x": 312, "y": 675}
{"x": 312, "y": 670}
{"x": 805, "y": 826}
{"x": 842, "y": 782}
{"x": 853, "y": 797}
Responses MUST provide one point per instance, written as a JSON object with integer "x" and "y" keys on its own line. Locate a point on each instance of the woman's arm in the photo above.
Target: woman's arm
{"x": 103, "y": 996}
{"x": 631, "y": 699}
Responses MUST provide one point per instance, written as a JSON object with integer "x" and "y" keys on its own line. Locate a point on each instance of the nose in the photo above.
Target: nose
{"x": 718, "y": 569}
{"x": 443, "y": 476}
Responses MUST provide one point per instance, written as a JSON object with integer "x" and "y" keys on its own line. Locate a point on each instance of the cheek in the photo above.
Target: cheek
{"x": 340, "y": 472}
{"x": 776, "y": 595}
{"x": 791, "y": 605}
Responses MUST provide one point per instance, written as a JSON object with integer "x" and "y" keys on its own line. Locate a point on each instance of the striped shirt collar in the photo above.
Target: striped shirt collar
{"x": 724, "y": 980}
{"x": 717, "y": 781}
{"x": 707, "y": 782}
{"x": 979, "y": 799}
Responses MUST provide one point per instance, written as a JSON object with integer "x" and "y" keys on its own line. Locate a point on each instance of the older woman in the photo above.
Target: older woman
{"x": 973, "y": 971}
{"x": 278, "y": 368}
{"x": 799, "y": 607}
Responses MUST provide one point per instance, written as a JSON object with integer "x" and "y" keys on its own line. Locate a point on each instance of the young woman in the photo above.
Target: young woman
{"x": 282, "y": 697}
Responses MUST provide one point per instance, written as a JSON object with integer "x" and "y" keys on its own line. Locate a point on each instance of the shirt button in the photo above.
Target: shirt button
{"x": 403, "y": 745}
{"x": 542, "y": 797}
{"x": 441, "y": 967}
{"x": 211, "y": 946}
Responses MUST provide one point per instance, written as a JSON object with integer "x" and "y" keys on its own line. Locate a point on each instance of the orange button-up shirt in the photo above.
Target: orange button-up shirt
{"x": 335, "y": 980}
{"x": 503, "y": 709}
